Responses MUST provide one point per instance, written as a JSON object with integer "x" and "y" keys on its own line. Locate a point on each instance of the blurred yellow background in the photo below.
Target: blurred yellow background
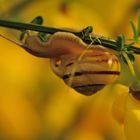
{"x": 34, "y": 103}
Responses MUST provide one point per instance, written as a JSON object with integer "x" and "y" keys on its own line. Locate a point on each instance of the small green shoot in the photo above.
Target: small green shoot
{"x": 136, "y": 30}
{"x": 43, "y": 36}
{"x": 37, "y": 20}
{"x": 120, "y": 41}
{"x": 86, "y": 32}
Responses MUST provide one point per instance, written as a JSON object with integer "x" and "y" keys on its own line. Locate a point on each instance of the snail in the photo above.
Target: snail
{"x": 96, "y": 68}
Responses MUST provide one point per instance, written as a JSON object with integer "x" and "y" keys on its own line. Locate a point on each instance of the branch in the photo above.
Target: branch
{"x": 111, "y": 44}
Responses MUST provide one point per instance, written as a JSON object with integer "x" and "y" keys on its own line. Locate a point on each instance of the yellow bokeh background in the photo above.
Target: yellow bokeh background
{"x": 34, "y": 103}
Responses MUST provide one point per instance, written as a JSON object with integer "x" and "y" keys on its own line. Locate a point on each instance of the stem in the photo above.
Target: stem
{"x": 25, "y": 26}
{"x": 111, "y": 44}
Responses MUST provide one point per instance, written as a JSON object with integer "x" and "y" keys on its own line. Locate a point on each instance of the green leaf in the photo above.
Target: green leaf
{"x": 134, "y": 30}
{"x": 130, "y": 56}
{"x": 43, "y": 36}
{"x": 120, "y": 41}
{"x": 87, "y": 31}
{"x": 37, "y": 20}
{"x": 138, "y": 30}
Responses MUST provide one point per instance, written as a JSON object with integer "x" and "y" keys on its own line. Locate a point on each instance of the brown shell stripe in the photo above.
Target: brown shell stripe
{"x": 91, "y": 72}
{"x": 95, "y": 61}
{"x": 89, "y": 89}
{"x": 91, "y": 85}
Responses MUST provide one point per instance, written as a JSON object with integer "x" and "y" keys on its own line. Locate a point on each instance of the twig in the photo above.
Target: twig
{"x": 112, "y": 44}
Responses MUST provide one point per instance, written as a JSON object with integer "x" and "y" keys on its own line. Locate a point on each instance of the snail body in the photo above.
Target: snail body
{"x": 60, "y": 43}
{"x": 96, "y": 68}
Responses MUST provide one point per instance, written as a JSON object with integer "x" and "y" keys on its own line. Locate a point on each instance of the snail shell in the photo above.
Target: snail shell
{"x": 92, "y": 73}
{"x": 97, "y": 68}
